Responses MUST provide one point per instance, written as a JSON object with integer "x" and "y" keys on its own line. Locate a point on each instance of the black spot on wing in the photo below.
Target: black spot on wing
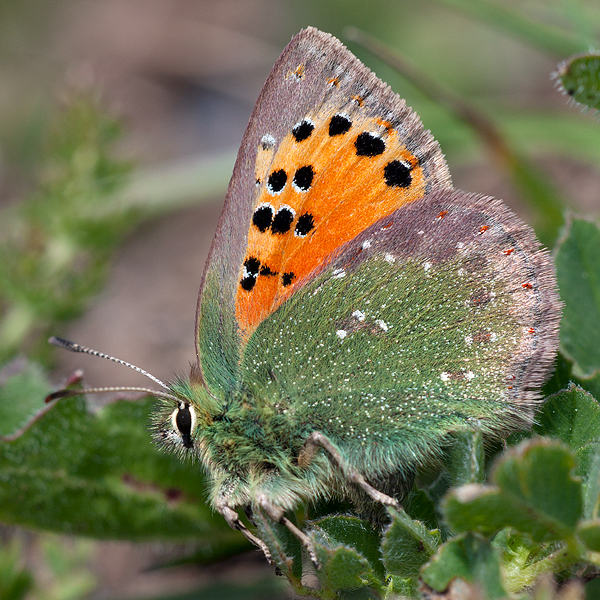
{"x": 368, "y": 144}
{"x": 303, "y": 178}
{"x": 263, "y": 217}
{"x": 277, "y": 180}
{"x": 304, "y": 224}
{"x": 303, "y": 130}
{"x": 287, "y": 279}
{"x": 397, "y": 174}
{"x": 339, "y": 125}
{"x": 282, "y": 221}
{"x": 251, "y": 269}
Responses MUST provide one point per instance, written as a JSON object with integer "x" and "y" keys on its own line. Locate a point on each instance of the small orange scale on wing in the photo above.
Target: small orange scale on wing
{"x": 335, "y": 174}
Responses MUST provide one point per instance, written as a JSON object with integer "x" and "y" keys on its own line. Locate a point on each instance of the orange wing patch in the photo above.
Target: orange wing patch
{"x": 333, "y": 175}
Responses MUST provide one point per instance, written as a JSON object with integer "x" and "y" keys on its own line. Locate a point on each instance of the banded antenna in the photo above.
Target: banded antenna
{"x": 73, "y": 347}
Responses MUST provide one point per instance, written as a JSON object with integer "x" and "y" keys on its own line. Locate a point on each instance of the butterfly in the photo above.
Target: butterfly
{"x": 355, "y": 310}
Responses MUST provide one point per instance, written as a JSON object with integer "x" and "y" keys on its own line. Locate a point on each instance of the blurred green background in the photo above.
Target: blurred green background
{"x": 119, "y": 124}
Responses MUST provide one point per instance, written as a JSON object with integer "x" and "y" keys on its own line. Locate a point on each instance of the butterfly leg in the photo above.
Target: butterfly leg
{"x": 233, "y": 520}
{"x": 315, "y": 441}
{"x": 276, "y": 513}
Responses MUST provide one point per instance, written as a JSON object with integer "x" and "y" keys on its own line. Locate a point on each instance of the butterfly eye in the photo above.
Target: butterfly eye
{"x": 183, "y": 421}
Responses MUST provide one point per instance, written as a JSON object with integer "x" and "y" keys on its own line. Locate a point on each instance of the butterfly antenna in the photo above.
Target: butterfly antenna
{"x": 73, "y": 347}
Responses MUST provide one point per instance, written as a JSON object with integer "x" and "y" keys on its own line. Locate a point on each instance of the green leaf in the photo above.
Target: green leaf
{"x": 419, "y": 506}
{"x": 484, "y": 508}
{"x": 357, "y": 533}
{"x": 98, "y": 474}
{"x": 589, "y": 533}
{"x": 539, "y": 474}
{"x": 578, "y": 274}
{"x": 468, "y": 557}
{"x": 534, "y": 492}
{"x": 592, "y": 589}
{"x": 407, "y": 545}
{"x": 591, "y": 490}
{"x": 579, "y": 78}
{"x": 523, "y": 561}
{"x": 343, "y": 567}
{"x": 572, "y": 416}
{"x": 402, "y": 588}
{"x": 285, "y": 548}
{"x": 561, "y": 378}
{"x": 23, "y": 388}
{"x": 466, "y": 462}
{"x": 591, "y": 384}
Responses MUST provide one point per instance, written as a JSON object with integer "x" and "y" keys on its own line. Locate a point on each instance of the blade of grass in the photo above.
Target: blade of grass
{"x": 177, "y": 185}
{"x": 543, "y": 36}
{"x": 532, "y": 185}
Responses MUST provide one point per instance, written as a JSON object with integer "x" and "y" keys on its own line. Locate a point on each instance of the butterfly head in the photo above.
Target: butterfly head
{"x": 186, "y": 407}
{"x": 179, "y": 422}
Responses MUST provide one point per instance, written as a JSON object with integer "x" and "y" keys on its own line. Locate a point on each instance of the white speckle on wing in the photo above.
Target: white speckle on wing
{"x": 267, "y": 140}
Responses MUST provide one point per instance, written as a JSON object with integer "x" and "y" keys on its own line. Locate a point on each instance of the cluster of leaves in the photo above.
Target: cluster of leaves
{"x": 55, "y": 245}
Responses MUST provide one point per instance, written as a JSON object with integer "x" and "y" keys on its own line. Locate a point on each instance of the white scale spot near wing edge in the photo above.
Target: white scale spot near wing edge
{"x": 381, "y": 323}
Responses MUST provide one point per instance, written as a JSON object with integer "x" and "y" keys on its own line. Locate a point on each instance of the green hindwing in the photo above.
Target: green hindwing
{"x": 390, "y": 358}
{"x": 388, "y": 351}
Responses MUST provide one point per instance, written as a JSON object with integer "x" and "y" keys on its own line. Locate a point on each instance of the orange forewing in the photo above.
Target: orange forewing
{"x": 348, "y": 193}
